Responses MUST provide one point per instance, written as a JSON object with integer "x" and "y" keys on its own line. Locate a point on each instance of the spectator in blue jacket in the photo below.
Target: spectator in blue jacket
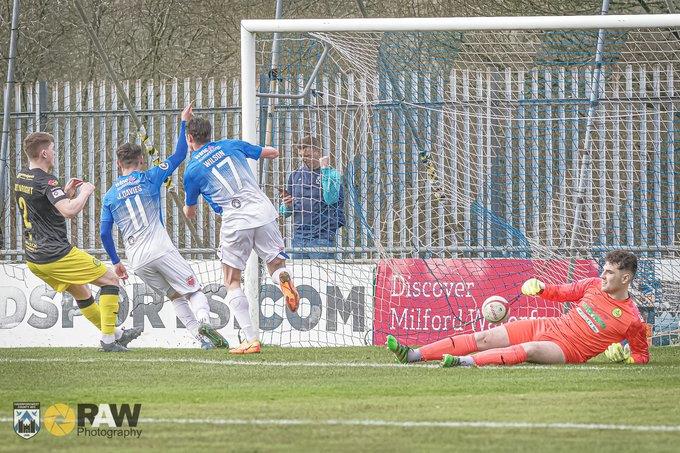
{"x": 314, "y": 196}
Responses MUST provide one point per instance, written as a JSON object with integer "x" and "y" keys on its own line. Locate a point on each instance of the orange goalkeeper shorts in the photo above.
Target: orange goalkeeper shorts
{"x": 525, "y": 330}
{"x": 541, "y": 329}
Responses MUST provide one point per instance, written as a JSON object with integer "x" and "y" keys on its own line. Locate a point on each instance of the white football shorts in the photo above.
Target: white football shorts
{"x": 169, "y": 274}
{"x": 236, "y": 245}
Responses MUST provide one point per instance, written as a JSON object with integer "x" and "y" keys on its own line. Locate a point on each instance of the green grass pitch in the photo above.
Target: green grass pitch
{"x": 347, "y": 399}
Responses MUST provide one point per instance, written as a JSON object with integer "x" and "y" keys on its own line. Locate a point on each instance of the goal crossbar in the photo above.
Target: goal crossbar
{"x": 462, "y": 23}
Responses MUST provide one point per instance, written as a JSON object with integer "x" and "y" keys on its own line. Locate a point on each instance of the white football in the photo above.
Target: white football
{"x": 495, "y": 309}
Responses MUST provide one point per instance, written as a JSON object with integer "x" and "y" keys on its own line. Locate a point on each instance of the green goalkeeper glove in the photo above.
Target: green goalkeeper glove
{"x": 619, "y": 354}
{"x": 532, "y": 287}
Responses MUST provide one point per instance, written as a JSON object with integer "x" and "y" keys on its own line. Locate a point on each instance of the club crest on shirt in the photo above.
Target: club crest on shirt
{"x": 96, "y": 262}
{"x": 191, "y": 281}
{"x": 617, "y": 312}
{"x": 52, "y": 182}
{"x": 236, "y": 203}
{"x": 164, "y": 166}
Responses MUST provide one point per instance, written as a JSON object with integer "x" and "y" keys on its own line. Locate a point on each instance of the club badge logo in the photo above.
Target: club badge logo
{"x": 26, "y": 419}
{"x": 617, "y": 312}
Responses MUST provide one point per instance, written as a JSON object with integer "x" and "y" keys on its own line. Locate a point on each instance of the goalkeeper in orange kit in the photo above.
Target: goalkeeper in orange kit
{"x": 603, "y": 315}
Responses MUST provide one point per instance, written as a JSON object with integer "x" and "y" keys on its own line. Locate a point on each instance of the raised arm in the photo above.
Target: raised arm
{"x": 181, "y": 149}
{"x": 164, "y": 170}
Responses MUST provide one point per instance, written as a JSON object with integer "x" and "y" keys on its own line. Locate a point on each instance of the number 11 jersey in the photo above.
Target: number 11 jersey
{"x": 133, "y": 203}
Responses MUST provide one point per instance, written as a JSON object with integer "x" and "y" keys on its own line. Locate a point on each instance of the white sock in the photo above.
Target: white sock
{"x": 238, "y": 303}
{"x": 277, "y": 272}
{"x": 467, "y": 360}
{"x": 200, "y": 305}
{"x": 185, "y": 315}
{"x": 118, "y": 333}
{"x": 108, "y": 339}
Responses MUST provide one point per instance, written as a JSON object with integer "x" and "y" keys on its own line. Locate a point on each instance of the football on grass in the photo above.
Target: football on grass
{"x": 495, "y": 309}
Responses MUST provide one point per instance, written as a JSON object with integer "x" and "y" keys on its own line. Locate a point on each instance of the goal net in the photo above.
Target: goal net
{"x": 471, "y": 159}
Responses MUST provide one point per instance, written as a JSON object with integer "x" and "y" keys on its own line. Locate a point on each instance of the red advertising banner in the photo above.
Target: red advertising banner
{"x": 423, "y": 300}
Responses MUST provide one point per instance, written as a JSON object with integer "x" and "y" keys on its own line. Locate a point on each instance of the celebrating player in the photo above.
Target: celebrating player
{"x": 133, "y": 203}
{"x": 604, "y": 316}
{"x": 220, "y": 172}
{"x": 44, "y": 207}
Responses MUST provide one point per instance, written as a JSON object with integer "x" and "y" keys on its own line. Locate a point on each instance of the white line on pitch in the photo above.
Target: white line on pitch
{"x": 270, "y": 364}
{"x": 406, "y": 424}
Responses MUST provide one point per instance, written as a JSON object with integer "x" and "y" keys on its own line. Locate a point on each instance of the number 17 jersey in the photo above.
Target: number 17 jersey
{"x": 220, "y": 172}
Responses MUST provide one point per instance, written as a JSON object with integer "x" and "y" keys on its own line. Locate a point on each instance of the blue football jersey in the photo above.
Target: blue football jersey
{"x": 220, "y": 172}
{"x": 133, "y": 203}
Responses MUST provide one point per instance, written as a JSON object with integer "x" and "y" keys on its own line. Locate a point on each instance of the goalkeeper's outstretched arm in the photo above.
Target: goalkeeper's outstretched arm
{"x": 568, "y": 292}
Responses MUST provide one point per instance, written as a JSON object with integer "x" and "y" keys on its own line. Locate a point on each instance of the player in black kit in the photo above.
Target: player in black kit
{"x": 45, "y": 206}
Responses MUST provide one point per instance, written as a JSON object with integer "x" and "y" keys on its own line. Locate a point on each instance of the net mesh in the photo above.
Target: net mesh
{"x": 471, "y": 161}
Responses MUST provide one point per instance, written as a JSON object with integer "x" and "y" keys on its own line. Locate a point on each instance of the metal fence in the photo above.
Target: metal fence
{"x": 510, "y": 142}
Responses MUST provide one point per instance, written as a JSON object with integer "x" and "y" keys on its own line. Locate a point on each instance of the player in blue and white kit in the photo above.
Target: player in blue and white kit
{"x": 220, "y": 172}
{"x": 133, "y": 203}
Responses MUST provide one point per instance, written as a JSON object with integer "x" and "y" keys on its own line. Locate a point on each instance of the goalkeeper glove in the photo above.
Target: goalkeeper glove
{"x": 532, "y": 287}
{"x": 619, "y": 354}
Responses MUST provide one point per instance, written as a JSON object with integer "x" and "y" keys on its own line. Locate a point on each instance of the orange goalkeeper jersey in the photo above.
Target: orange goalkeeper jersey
{"x": 595, "y": 322}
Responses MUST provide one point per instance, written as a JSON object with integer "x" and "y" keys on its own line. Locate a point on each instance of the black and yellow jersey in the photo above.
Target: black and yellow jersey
{"x": 45, "y": 237}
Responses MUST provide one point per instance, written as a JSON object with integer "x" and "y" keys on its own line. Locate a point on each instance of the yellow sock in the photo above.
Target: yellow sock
{"x": 91, "y": 311}
{"x": 108, "y": 305}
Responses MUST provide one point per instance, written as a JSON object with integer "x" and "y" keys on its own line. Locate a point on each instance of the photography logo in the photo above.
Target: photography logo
{"x": 26, "y": 419}
{"x": 59, "y": 419}
{"x": 94, "y": 420}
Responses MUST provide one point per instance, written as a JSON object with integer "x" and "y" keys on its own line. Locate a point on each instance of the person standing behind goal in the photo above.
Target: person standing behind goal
{"x": 220, "y": 172}
{"x": 315, "y": 198}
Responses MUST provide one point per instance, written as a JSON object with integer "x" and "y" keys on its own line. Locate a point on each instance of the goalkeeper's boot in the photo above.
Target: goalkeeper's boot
{"x": 247, "y": 347}
{"x": 449, "y": 361}
{"x": 213, "y": 335}
{"x": 289, "y": 291}
{"x": 112, "y": 347}
{"x": 399, "y": 350}
{"x": 129, "y": 335}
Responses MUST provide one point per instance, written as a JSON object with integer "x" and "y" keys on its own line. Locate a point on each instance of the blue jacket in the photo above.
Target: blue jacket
{"x": 318, "y": 203}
